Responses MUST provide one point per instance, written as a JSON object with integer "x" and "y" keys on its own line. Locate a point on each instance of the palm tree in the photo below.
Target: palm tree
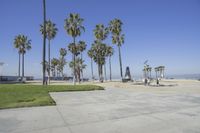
{"x": 101, "y": 32}
{"x": 26, "y": 45}
{"x": 82, "y": 46}
{"x": 44, "y": 43}
{"x": 79, "y": 67}
{"x": 54, "y": 64}
{"x": 51, "y": 31}
{"x": 156, "y": 70}
{"x": 110, "y": 52}
{"x": 117, "y": 38}
{"x": 63, "y": 52}
{"x": 17, "y": 45}
{"x": 23, "y": 44}
{"x": 62, "y": 62}
{"x": 99, "y": 56}
{"x": 90, "y": 54}
{"x": 74, "y": 49}
{"x": 73, "y": 26}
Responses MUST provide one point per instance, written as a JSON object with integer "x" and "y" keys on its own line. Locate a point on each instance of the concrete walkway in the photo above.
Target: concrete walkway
{"x": 109, "y": 111}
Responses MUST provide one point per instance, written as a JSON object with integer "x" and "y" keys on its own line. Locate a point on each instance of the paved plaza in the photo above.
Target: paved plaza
{"x": 110, "y": 111}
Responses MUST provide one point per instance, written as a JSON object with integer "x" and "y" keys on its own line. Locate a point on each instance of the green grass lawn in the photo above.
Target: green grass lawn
{"x": 19, "y": 95}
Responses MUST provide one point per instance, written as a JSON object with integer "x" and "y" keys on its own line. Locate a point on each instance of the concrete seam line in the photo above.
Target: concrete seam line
{"x": 67, "y": 125}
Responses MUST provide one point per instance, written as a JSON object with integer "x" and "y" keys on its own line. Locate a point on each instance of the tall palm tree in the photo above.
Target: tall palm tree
{"x": 110, "y": 52}
{"x": 73, "y": 26}
{"x": 24, "y": 44}
{"x": 100, "y": 32}
{"x": 90, "y": 54}
{"x": 44, "y": 44}
{"x": 117, "y": 38}
{"x": 82, "y": 46}
{"x": 17, "y": 45}
{"x": 51, "y": 31}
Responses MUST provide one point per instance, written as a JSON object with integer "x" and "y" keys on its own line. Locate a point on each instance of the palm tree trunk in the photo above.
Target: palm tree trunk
{"x": 49, "y": 48}
{"x": 44, "y": 42}
{"x": 150, "y": 74}
{"x": 79, "y": 75}
{"x": 81, "y": 68}
{"x": 62, "y": 75}
{"x": 19, "y": 65}
{"x": 156, "y": 75}
{"x": 163, "y": 73}
{"x": 92, "y": 69}
{"x": 22, "y": 66}
{"x": 102, "y": 78}
{"x": 54, "y": 73}
{"x": 105, "y": 72}
{"x": 110, "y": 68}
{"x": 120, "y": 62}
{"x": 99, "y": 72}
{"x": 74, "y": 58}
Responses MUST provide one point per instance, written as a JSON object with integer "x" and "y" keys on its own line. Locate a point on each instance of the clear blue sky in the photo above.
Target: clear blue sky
{"x": 166, "y": 32}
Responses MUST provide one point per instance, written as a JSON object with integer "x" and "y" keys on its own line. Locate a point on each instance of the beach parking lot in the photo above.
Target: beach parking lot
{"x": 121, "y": 108}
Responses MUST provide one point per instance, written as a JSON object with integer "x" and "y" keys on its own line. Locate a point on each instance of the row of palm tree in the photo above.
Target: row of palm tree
{"x": 73, "y": 26}
{"x": 57, "y": 64}
{"x": 100, "y": 51}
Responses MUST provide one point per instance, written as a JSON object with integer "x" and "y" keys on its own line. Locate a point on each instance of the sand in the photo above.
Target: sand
{"x": 166, "y": 85}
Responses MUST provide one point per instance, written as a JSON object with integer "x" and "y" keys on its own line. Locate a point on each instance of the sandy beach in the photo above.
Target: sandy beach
{"x": 166, "y": 85}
